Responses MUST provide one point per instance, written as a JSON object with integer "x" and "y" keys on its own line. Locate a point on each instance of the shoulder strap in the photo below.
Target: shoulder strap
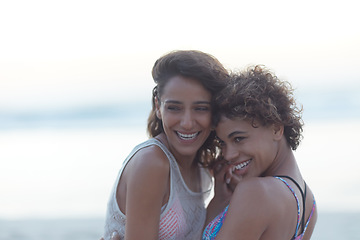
{"x": 303, "y": 195}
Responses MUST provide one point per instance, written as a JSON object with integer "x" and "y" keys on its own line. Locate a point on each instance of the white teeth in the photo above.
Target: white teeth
{"x": 187, "y": 136}
{"x": 242, "y": 165}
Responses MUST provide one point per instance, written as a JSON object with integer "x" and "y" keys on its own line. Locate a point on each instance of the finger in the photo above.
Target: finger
{"x": 235, "y": 179}
{"x": 115, "y": 236}
{"x": 228, "y": 174}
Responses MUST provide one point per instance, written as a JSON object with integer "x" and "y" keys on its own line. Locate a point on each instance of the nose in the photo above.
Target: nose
{"x": 187, "y": 120}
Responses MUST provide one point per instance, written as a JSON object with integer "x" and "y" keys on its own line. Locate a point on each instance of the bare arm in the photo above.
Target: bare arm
{"x": 147, "y": 184}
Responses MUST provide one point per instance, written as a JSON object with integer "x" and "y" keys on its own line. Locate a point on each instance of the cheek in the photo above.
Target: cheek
{"x": 205, "y": 120}
{"x": 169, "y": 119}
{"x": 268, "y": 150}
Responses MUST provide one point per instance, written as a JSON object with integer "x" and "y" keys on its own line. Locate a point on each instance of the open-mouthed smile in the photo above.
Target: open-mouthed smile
{"x": 185, "y": 136}
{"x": 241, "y": 165}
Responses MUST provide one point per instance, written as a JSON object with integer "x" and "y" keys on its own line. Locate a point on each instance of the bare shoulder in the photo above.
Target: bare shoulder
{"x": 146, "y": 176}
{"x": 264, "y": 197}
{"x": 257, "y": 210}
{"x": 148, "y": 161}
{"x": 255, "y": 187}
{"x": 249, "y": 210}
{"x": 148, "y": 165}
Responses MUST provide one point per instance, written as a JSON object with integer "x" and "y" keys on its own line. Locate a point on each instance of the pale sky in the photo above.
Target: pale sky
{"x": 75, "y": 52}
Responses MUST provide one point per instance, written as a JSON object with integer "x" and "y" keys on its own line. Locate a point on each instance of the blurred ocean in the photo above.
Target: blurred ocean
{"x": 58, "y": 167}
{"x": 330, "y": 226}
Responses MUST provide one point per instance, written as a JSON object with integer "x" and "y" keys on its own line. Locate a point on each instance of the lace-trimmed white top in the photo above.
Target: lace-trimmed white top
{"x": 182, "y": 218}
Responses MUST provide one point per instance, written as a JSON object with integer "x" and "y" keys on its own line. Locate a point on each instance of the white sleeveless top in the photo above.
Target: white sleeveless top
{"x": 182, "y": 218}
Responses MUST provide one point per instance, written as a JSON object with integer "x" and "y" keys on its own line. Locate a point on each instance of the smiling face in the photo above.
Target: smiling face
{"x": 250, "y": 150}
{"x": 185, "y": 111}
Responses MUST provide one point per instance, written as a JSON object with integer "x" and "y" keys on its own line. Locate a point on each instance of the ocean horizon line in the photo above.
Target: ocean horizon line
{"x": 318, "y": 105}
{"x": 116, "y": 116}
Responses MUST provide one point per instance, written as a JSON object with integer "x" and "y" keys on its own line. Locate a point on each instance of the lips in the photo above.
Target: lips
{"x": 241, "y": 166}
{"x": 187, "y": 137}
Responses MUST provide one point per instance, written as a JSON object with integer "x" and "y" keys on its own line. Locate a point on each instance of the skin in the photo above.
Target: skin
{"x": 261, "y": 206}
{"x": 184, "y": 108}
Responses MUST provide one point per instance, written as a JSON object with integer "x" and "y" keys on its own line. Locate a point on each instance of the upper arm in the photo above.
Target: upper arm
{"x": 248, "y": 213}
{"x": 147, "y": 180}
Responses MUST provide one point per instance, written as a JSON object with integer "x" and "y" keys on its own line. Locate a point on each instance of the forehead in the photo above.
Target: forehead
{"x": 226, "y": 122}
{"x": 227, "y": 126}
{"x": 179, "y": 87}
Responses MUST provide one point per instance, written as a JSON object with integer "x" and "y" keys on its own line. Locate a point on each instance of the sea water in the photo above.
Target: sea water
{"x": 55, "y": 182}
{"x": 330, "y": 226}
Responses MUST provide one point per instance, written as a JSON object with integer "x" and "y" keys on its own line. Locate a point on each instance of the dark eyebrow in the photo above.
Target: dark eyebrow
{"x": 234, "y": 133}
{"x": 202, "y": 102}
{"x": 178, "y": 102}
{"x": 172, "y": 101}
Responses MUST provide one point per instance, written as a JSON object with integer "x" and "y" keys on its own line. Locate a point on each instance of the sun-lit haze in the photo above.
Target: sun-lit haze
{"x": 87, "y": 60}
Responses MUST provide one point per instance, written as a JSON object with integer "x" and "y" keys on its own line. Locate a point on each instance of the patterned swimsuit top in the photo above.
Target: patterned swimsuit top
{"x": 213, "y": 228}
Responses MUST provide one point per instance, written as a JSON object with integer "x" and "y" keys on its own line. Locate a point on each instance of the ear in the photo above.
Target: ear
{"x": 157, "y": 106}
{"x": 278, "y": 131}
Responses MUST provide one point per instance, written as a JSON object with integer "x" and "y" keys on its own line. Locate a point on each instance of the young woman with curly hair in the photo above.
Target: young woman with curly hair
{"x": 258, "y": 128}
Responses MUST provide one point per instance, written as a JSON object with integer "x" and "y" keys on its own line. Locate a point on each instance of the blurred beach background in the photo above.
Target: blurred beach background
{"x": 75, "y": 93}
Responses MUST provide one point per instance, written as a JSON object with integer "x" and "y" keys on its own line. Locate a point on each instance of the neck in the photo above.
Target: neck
{"x": 183, "y": 161}
{"x": 188, "y": 167}
{"x": 284, "y": 162}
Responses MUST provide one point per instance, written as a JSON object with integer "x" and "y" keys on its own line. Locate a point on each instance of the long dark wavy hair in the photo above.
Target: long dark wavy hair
{"x": 193, "y": 64}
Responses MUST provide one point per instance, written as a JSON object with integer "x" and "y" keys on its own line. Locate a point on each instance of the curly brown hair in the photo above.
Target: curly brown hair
{"x": 194, "y": 64}
{"x": 257, "y": 94}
